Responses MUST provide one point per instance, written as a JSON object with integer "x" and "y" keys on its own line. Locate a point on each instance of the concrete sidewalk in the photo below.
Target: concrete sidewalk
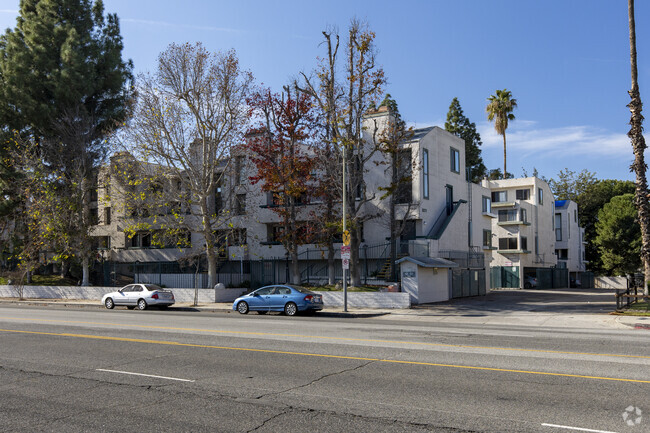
{"x": 495, "y": 309}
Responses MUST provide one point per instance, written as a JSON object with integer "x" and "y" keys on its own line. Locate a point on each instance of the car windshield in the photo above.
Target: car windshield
{"x": 152, "y": 287}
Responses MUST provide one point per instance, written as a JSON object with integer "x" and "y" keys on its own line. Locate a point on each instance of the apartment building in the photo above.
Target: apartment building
{"x": 438, "y": 207}
{"x": 523, "y": 239}
{"x": 569, "y": 239}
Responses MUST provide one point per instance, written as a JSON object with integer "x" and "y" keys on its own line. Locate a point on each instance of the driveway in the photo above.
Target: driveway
{"x": 571, "y": 301}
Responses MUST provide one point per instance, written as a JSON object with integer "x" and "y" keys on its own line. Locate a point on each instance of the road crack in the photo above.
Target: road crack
{"x": 325, "y": 376}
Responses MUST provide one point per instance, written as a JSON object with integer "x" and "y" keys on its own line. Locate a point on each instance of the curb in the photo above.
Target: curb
{"x": 99, "y": 306}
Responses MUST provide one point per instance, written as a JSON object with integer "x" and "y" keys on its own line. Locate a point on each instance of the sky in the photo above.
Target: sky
{"x": 567, "y": 63}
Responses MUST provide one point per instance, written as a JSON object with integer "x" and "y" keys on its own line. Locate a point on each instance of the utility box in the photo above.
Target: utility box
{"x": 426, "y": 279}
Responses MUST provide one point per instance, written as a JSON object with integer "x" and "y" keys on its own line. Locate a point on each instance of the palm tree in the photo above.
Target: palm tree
{"x": 500, "y": 110}
{"x": 638, "y": 145}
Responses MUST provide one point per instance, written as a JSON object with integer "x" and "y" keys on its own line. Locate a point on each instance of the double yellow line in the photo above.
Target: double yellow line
{"x": 281, "y": 352}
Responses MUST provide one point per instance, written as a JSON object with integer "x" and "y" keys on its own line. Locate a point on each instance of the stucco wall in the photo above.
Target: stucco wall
{"x": 331, "y": 299}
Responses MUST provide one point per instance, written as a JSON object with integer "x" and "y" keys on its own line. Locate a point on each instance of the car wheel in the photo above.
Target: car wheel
{"x": 142, "y": 304}
{"x": 109, "y": 303}
{"x": 290, "y": 309}
{"x": 242, "y": 307}
{"x": 528, "y": 286}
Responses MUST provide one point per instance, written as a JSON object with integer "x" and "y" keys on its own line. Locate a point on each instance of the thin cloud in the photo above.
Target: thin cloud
{"x": 528, "y": 140}
{"x": 183, "y": 26}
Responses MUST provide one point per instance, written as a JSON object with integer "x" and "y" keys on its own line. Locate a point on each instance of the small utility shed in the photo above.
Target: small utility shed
{"x": 426, "y": 279}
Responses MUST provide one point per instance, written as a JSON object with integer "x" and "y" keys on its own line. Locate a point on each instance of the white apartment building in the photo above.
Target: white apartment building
{"x": 569, "y": 239}
{"x": 444, "y": 218}
{"x": 523, "y": 240}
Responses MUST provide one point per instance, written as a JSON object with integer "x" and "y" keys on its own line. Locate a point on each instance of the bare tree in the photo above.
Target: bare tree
{"x": 326, "y": 91}
{"x": 190, "y": 114}
{"x": 344, "y": 104}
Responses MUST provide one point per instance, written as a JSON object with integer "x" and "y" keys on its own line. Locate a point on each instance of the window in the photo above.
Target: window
{"x": 523, "y": 215}
{"x": 558, "y": 227}
{"x": 499, "y": 196}
{"x": 107, "y": 215}
{"x": 522, "y": 194}
{"x": 487, "y": 239}
{"x": 274, "y": 233}
{"x": 454, "y": 160}
{"x": 506, "y": 215}
{"x": 240, "y": 204}
{"x": 486, "y": 205}
{"x": 240, "y": 170}
{"x": 562, "y": 254}
{"x": 540, "y": 195}
{"x": 237, "y": 237}
{"x": 404, "y": 172}
{"x": 218, "y": 200}
{"x": 524, "y": 243}
{"x": 449, "y": 196}
{"x": 141, "y": 240}
{"x": 425, "y": 173}
{"x": 94, "y": 216}
{"x": 507, "y": 243}
{"x": 575, "y": 216}
{"x": 102, "y": 242}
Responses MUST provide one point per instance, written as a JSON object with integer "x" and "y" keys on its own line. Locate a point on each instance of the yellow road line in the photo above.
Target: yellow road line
{"x": 323, "y": 337}
{"x": 357, "y": 358}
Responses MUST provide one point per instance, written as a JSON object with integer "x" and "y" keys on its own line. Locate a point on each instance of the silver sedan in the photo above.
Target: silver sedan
{"x": 140, "y": 296}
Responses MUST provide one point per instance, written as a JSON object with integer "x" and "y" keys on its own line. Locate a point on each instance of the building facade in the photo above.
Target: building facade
{"x": 523, "y": 240}
{"x": 569, "y": 239}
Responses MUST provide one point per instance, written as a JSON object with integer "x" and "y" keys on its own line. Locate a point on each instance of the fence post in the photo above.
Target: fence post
{"x": 365, "y": 256}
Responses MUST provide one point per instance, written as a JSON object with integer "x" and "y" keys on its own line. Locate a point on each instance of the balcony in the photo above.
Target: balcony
{"x": 502, "y": 204}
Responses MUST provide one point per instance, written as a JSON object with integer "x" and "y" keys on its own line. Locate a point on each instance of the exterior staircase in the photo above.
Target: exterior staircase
{"x": 384, "y": 272}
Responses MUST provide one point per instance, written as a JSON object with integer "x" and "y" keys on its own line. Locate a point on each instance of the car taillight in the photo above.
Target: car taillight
{"x": 309, "y": 298}
{"x": 154, "y": 296}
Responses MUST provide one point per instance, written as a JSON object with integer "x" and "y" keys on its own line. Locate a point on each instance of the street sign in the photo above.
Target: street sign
{"x": 345, "y": 256}
{"x": 346, "y": 238}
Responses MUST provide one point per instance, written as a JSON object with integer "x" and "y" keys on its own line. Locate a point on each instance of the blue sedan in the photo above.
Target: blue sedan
{"x": 280, "y": 297}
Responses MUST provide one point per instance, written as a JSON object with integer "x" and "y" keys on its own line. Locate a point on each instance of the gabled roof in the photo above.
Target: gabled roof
{"x": 429, "y": 262}
{"x": 421, "y": 132}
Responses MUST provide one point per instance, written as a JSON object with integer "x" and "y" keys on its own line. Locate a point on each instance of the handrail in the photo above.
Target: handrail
{"x": 443, "y": 221}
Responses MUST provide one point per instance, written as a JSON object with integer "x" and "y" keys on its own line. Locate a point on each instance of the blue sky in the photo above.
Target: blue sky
{"x": 565, "y": 61}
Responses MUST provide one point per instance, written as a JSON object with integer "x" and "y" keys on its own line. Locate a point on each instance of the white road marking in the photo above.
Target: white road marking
{"x": 577, "y": 428}
{"x": 146, "y": 375}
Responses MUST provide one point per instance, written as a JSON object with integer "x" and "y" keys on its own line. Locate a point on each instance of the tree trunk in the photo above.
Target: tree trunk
{"x": 210, "y": 252}
{"x": 331, "y": 270}
{"x": 85, "y": 265}
{"x": 294, "y": 268}
{"x": 638, "y": 144}
{"x": 505, "y": 171}
{"x": 355, "y": 265}
{"x": 65, "y": 268}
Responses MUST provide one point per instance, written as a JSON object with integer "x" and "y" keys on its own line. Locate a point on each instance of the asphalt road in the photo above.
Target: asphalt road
{"x": 74, "y": 370}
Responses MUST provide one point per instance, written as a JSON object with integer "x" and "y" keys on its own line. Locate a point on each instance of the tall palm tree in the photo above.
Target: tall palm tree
{"x": 638, "y": 145}
{"x": 500, "y": 110}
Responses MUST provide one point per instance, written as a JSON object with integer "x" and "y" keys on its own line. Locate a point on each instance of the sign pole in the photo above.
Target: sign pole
{"x": 345, "y": 230}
